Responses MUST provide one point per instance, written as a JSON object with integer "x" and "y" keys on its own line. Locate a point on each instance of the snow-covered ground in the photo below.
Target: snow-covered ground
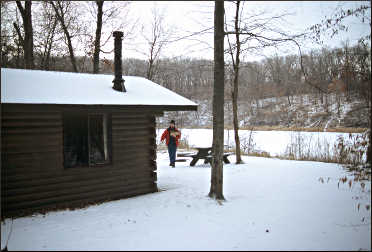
{"x": 271, "y": 205}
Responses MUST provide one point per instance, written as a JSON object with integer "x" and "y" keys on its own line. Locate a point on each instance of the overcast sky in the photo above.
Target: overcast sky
{"x": 187, "y": 17}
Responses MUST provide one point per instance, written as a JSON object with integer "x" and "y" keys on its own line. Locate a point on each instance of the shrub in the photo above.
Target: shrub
{"x": 353, "y": 150}
{"x": 247, "y": 145}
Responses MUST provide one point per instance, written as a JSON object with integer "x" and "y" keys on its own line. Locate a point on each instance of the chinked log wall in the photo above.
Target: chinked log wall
{"x": 33, "y": 178}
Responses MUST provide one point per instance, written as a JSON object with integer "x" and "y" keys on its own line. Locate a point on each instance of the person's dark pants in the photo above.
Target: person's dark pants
{"x": 172, "y": 148}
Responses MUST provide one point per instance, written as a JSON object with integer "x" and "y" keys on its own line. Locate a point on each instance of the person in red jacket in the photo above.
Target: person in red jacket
{"x": 171, "y": 135}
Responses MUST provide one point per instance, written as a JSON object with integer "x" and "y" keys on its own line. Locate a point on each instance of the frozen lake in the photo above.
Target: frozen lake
{"x": 273, "y": 142}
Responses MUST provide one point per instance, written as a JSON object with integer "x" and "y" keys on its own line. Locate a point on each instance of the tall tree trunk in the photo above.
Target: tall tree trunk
{"x": 216, "y": 190}
{"x": 97, "y": 41}
{"x": 236, "y": 87}
{"x": 60, "y": 15}
{"x": 28, "y": 40}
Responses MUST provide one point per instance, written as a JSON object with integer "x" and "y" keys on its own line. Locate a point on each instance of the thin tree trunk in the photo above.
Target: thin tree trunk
{"x": 150, "y": 69}
{"x": 149, "y": 73}
{"x": 289, "y": 100}
{"x": 20, "y": 37}
{"x": 60, "y": 17}
{"x": 216, "y": 190}
{"x": 70, "y": 49}
{"x": 28, "y": 41}
{"x": 48, "y": 47}
{"x": 97, "y": 42}
{"x": 236, "y": 87}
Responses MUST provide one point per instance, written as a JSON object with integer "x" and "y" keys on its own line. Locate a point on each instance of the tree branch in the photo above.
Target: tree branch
{"x": 18, "y": 32}
{"x": 190, "y": 35}
{"x": 21, "y": 9}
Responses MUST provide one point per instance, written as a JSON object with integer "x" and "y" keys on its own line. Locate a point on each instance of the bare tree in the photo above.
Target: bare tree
{"x": 109, "y": 17}
{"x": 46, "y": 35}
{"x": 8, "y": 40}
{"x": 27, "y": 38}
{"x": 66, "y": 18}
{"x": 216, "y": 190}
{"x": 156, "y": 39}
{"x": 253, "y": 29}
{"x": 97, "y": 41}
{"x": 235, "y": 90}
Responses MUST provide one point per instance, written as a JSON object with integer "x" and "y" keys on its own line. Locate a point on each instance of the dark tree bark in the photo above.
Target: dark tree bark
{"x": 235, "y": 91}
{"x": 216, "y": 190}
{"x": 27, "y": 40}
{"x": 97, "y": 41}
{"x": 58, "y": 8}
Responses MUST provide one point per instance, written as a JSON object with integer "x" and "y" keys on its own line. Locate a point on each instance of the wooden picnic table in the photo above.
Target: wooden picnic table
{"x": 206, "y": 154}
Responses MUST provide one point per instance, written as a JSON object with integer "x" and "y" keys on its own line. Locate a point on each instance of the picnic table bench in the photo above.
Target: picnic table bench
{"x": 206, "y": 154}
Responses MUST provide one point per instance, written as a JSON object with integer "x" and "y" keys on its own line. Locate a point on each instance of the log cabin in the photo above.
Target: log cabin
{"x": 72, "y": 139}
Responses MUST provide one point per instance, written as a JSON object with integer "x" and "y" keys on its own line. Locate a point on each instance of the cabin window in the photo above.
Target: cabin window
{"x": 86, "y": 140}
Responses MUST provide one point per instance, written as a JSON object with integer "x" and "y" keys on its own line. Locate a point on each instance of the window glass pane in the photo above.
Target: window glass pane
{"x": 105, "y": 137}
{"x": 75, "y": 140}
{"x": 98, "y": 152}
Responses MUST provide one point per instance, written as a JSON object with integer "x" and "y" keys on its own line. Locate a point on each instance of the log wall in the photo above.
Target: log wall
{"x": 34, "y": 179}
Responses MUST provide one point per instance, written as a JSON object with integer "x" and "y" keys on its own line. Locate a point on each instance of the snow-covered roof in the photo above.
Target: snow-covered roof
{"x": 49, "y": 87}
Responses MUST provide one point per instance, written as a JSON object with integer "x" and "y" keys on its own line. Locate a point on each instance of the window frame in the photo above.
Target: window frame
{"x": 86, "y": 115}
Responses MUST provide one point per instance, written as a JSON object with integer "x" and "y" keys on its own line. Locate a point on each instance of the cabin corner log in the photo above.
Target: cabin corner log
{"x": 33, "y": 176}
